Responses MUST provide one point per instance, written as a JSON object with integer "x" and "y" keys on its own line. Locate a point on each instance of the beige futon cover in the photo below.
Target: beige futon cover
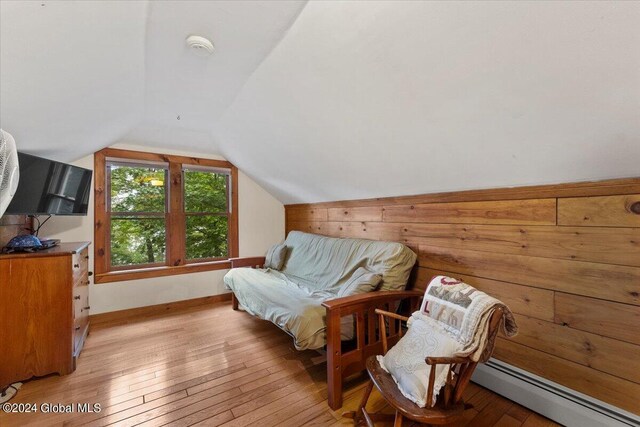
{"x": 314, "y": 269}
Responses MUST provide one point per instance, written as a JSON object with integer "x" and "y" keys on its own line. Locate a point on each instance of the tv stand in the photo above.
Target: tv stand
{"x": 44, "y": 307}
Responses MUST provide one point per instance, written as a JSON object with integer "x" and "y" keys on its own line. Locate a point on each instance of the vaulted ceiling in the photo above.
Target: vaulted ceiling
{"x": 334, "y": 100}
{"x": 77, "y": 76}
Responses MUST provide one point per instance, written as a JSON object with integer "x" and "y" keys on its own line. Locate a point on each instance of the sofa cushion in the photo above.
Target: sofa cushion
{"x": 294, "y": 308}
{"x": 361, "y": 282}
{"x": 326, "y": 263}
{"x": 275, "y": 256}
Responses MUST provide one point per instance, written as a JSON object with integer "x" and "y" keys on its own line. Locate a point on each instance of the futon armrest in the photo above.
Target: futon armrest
{"x": 391, "y": 315}
{"x": 368, "y": 338}
{"x": 369, "y": 299}
{"x": 247, "y": 262}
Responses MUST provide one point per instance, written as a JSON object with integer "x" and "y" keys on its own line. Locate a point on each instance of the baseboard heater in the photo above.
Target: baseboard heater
{"x": 554, "y": 401}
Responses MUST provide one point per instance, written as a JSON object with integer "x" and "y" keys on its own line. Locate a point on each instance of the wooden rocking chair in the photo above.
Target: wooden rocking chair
{"x": 449, "y": 405}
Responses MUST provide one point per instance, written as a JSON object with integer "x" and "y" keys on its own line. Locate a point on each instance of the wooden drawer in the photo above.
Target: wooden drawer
{"x": 81, "y": 316}
{"x": 80, "y": 327}
{"x": 80, "y": 264}
{"x": 80, "y": 301}
{"x": 82, "y": 280}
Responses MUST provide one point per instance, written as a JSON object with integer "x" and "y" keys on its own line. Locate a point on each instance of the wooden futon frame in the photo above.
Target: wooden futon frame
{"x": 345, "y": 358}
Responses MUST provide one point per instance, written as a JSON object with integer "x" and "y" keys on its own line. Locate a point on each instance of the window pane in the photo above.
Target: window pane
{"x": 137, "y": 240}
{"x": 137, "y": 189}
{"x": 207, "y": 237}
{"x": 205, "y": 191}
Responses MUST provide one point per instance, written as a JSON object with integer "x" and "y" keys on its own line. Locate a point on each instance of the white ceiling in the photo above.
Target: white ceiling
{"x": 336, "y": 100}
{"x": 71, "y": 74}
{"x": 384, "y": 98}
{"x": 77, "y": 76}
{"x": 199, "y": 90}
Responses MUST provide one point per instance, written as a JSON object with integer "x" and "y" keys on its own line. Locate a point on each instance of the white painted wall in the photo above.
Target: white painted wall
{"x": 261, "y": 224}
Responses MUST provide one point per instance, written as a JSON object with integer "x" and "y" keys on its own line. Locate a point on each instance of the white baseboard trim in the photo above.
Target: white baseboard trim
{"x": 554, "y": 401}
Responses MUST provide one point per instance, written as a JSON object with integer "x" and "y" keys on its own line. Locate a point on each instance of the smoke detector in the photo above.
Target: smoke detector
{"x": 201, "y": 46}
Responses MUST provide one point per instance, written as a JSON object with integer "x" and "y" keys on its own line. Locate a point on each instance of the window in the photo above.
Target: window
{"x": 158, "y": 215}
{"x": 206, "y": 207}
{"x": 137, "y": 207}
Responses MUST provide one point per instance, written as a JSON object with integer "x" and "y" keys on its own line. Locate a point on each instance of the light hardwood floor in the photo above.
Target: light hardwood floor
{"x": 212, "y": 366}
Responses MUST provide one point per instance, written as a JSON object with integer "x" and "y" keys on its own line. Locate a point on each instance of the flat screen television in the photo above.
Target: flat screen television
{"x": 47, "y": 187}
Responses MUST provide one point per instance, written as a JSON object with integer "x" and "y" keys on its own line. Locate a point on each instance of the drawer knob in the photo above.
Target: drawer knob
{"x": 77, "y": 328}
{"x": 76, "y": 265}
{"x": 90, "y": 273}
{"x": 76, "y": 297}
{"x": 86, "y": 257}
{"x": 88, "y": 281}
{"x": 87, "y": 307}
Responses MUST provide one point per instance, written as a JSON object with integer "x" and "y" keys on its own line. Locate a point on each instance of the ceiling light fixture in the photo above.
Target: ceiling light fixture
{"x": 201, "y": 46}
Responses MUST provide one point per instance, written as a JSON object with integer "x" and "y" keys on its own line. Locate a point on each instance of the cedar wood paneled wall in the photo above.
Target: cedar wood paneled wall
{"x": 565, "y": 258}
{"x": 12, "y": 225}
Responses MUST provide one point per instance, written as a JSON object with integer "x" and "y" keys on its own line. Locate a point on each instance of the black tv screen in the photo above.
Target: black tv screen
{"x": 47, "y": 187}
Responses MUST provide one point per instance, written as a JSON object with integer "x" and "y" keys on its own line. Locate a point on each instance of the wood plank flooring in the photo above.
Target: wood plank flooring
{"x": 210, "y": 366}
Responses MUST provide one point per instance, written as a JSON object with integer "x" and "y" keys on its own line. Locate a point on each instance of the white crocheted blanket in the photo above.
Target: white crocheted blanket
{"x": 464, "y": 312}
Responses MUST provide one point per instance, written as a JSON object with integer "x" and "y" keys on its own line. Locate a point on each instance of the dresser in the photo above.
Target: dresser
{"x": 44, "y": 311}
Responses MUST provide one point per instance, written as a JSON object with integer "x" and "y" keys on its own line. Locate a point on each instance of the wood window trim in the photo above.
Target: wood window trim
{"x": 176, "y": 244}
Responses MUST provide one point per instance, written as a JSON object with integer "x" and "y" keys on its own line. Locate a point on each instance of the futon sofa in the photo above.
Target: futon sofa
{"x": 302, "y": 299}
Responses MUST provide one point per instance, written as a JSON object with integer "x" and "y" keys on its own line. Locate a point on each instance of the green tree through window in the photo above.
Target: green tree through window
{"x": 206, "y": 210}
{"x": 137, "y": 206}
{"x": 162, "y": 214}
